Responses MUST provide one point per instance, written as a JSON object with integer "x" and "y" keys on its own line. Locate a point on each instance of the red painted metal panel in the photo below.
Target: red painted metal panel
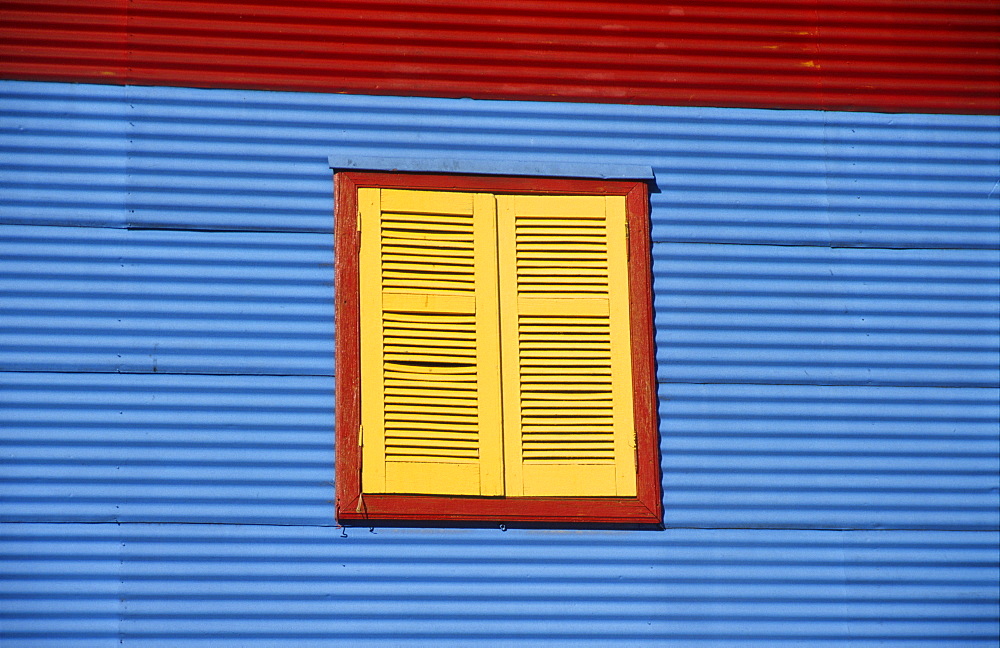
{"x": 881, "y": 55}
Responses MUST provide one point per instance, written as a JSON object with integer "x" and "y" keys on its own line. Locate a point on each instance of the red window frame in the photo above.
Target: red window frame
{"x": 352, "y": 506}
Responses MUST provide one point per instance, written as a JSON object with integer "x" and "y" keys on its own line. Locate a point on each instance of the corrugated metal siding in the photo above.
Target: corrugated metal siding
{"x": 927, "y": 56}
{"x": 90, "y": 447}
{"x": 813, "y": 315}
{"x": 826, "y": 293}
{"x": 233, "y": 449}
{"x": 113, "y": 300}
{"x": 210, "y": 585}
{"x": 231, "y": 160}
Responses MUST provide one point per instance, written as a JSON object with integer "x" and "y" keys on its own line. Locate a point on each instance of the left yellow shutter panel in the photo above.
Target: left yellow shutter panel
{"x": 430, "y": 366}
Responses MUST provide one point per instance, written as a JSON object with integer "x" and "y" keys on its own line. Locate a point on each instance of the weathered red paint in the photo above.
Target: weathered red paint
{"x": 645, "y": 508}
{"x": 644, "y": 392}
{"x": 878, "y": 55}
{"x": 347, "y": 386}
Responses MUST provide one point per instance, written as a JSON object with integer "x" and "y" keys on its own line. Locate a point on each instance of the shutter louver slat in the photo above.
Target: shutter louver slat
{"x": 423, "y": 398}
{"x": 566, "y": 368}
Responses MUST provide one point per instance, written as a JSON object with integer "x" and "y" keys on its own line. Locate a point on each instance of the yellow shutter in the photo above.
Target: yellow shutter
{"x": 430, "y": 382}
{"x": 568, "y": 420}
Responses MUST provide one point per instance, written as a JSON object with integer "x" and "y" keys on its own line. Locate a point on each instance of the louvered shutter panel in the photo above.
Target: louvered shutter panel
{"x": 568, "y": 420}
{"x": 430, "y": 395}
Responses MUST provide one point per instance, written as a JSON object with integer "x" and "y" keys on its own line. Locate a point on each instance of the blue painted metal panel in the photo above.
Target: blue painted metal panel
{"x": 806, "y": 456}
{"x": 214, "y": 159}
{"x": 74, "y": 172}
{"x": 160, "y": 447}
{"x": 814, "y": 315}
{"x": 107, "y": 300}
{"x": 167, "y": 360}
{"x": 259, "y": 449}
{"x": 206, "y": 585}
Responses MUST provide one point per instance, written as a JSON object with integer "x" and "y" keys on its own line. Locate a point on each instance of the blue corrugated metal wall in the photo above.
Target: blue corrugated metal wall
{"x": 827, "y": 310}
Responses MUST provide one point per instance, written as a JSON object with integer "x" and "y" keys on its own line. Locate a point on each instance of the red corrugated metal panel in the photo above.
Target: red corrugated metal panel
{"x": 879, "y": 55}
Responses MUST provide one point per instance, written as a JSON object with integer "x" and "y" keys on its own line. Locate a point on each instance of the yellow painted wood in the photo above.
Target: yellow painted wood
{"x": 403, "y": 422}
{"x": 450, "y": 476}
{"x": 398, "y": 241}
{"x": 427, "y": 357}
{"x": 621, "y": 347}
{"x": 456, "y": 436}
{"x": 510, "y": 371}
{"x": 409, "y": 201}
{"x": 551, "y": 247}
{"x": 459, "y": 266}
{"x": 555, "y": 271}
{"x": 412, "y": 332}
{"x": 434, "y": 226}
{"x": 568, "y": 480}
{"x": 419, "y": 445}
{"x": 577, "y": 345}
{"x": 566, "y": 383}
{"x": 560, "y": 207}
{"x": 396, "y": 278}
{"x": 559, "y": 307}
{"x": 450, "y": 322}
{"x": 532, "y": 396}
{"x": 370, "y": 313}
{"x": 558, "y": 276}
{"x": 437, "y": 424}
{"x": 430, "y": 377}
{"x": 577, "y": 322}
{"x": 567, "y": 369}
{"x": 591, "y": 216}
{"x": 432, "y": 413}
{"x": 425, "y": 221}
{"x": 415, "y": 394}
{"x": 544, "y": 429}
{"x": 398, "y": 285}
{"x": 430, "y": 302}
{"x": 557, "y": 439}
{"x": 458, "y": 238}
{"x": 488, "y": 346}
{"x": 505, "y": 366}
{"x": 420, "y": 341}
{"x": 543, "y": 257}
{"x": 408, "y": 251}
{"x": 420, "y": 333}
{"x": 566, "y": 454}
{"x": 565, "y": 408}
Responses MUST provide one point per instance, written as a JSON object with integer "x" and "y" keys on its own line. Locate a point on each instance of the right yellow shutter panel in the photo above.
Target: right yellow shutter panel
{"x": 566, "y": 352}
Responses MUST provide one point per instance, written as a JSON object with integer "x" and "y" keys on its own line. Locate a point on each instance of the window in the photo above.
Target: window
{"x": 494, "y": 350}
